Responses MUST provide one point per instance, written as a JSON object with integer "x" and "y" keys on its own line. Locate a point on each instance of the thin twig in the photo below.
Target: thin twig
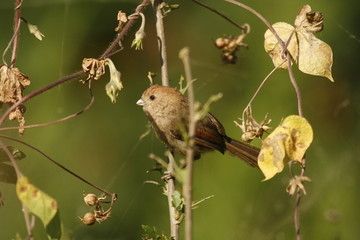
{"x": 12, "y": 159}
{"x": 170, "y": 189}
{"x": 297, "y": 203}
{"x": 294, "y": 83}
{"x": 264, "y": 20}
{"x": 9, "y": 44}
{"x": 161, "y": 41}
{"x": 187, "y": 190}
{"x": 30, "y": 224}
{"x": 170, "y": 183}
{"x": 115, "y": 43}
{"x": 243, "y": 28}
{"x": 56, "y": 163}
{"x": 92, "y": 99}
{"x": 16, "y": 31}
{"x": 259, "y": 88}
{"x": 44, "y": 89}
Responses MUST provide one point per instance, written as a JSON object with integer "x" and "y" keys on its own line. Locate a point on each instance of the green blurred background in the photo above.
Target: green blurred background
{"x": 103, "y": 144}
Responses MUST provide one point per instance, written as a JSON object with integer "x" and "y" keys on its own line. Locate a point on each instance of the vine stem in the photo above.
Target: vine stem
{"x": 299, "y": 103}
{"x": 187, "y": 190}
{"x": 92, "y": 100}
{"x": 243, "y": 28}
{"x": 259, "y": 88}
{"x": 44, "y": 89}
{"x": 130, "y": 23}
{"x": 16, "y": 31}
{"x": 297, "y": 205}
{"x": 170, "y": 183}
{"x": 161, "y": 42}
{"x": 294, "y": 83}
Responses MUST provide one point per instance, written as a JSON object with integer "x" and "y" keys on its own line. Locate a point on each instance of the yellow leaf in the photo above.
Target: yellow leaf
{"x": 291, "y": 138}
{"x": 301, "y": 135}
{"x": 273, "y": 48}
{"x": 38, "y": 202}
{"x": 312, "y": 55}
{"x": 272, "y": 153}
{"x": 315, "y": 56}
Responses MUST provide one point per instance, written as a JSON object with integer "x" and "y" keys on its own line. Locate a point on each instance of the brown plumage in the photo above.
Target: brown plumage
{"x": 168, "y": 113}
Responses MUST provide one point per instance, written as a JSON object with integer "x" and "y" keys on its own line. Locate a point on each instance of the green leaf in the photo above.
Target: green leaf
{"x": 39, "y": 203}
{"x": 177, "y": 201}
{"x": 17, "y": 237}
{"x": 16, "y": 153}
{"x": 151, "y": 234}
{"x": 149, "y": 231}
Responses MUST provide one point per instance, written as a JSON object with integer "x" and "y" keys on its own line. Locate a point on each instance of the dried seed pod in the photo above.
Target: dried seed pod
{"x": 89, "y": 218}
{"x": 90, "y": 199}
{"x": 220, "y": 42}
{"x": 229, "y": 57}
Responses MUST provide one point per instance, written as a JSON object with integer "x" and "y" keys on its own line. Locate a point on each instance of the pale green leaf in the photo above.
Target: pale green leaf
{"x": 38, "y": 202}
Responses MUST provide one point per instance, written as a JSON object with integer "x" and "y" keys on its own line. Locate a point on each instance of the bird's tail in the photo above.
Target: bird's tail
{"x": 243, "y": 151}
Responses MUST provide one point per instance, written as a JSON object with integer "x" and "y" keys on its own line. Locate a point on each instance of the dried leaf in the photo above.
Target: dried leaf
{"x": 312, "y": 55}
{"x": 307, "y": 21}
{"x": 121, "y": 17}
{"x": 296, "y": 183}
{"x": 291, "y": 138}
{"x": 95, "y": 68}
{"x": 12, "y": 84}
{"x": 251, "y": 128}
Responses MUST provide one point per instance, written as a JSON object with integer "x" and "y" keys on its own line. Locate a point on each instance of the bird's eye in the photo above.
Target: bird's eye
{"x": 152, "y": 97}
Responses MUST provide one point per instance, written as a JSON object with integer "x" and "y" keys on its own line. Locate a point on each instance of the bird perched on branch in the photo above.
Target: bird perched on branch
{"x": 168, "y": 112}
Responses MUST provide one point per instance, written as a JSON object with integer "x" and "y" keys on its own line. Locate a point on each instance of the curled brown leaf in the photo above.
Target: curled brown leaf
{"x": 12, "y": 84}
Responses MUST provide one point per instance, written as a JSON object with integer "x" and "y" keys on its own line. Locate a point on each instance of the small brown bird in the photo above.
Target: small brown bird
{"x": 168, "y": 112}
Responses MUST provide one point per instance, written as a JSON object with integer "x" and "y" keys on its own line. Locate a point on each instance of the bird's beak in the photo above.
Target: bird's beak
{"x": 140, "y": 102}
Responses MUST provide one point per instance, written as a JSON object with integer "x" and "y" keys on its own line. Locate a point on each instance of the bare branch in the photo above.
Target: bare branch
{"x": 161, "y": 42}
{"x": 174, "y": 224}
{"x": 92, "y": 99}
{"x": 184, "y": 56}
